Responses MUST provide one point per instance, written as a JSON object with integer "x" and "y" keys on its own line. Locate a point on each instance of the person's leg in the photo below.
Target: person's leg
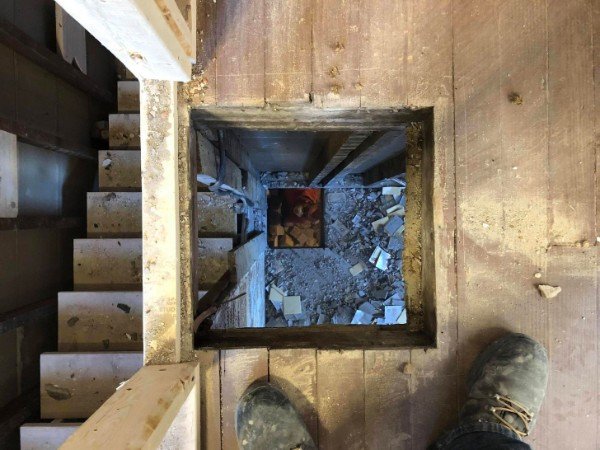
{"x": 266, "y": 420}
{"x": 506, "y": 387}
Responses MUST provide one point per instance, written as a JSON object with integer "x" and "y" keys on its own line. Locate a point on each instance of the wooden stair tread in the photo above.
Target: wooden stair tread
{"x": 124, "y": 131}
{"x": 74, "y": 385}
{"x": 100, "y": 321}
{"x": 45, "y": 436}
{"x": 112, "y": 214}
{"x": 128, "y": 96}
{"x": 119, "y": 170}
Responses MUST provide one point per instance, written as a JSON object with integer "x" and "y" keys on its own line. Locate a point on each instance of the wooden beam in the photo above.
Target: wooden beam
{"x": 9, "y": 176}
{"x": 367, "y": 150}
{"x": 387, "y": 169}
{"x": 337, "y": 149}
{"x": 29, "y": 313}
{"x": 20, "y": 42}
{"x": 307, "y": 118}
{"x": 141, "y": 413}
{"x": 244, "y": 256}
{"x": 26, "y": 133}
{"x": 45, "y": 222}
{"x": 162, "y": 259}
{"x": 150, "y": 37}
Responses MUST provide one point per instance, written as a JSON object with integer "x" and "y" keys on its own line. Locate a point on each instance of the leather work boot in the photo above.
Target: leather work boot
{"x": 266, "y": 419}
{"x": 507, "y": 384}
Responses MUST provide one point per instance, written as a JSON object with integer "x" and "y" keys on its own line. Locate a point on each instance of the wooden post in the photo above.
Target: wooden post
{"x": 160, "y": 222}
{"x": 9, "y": 176}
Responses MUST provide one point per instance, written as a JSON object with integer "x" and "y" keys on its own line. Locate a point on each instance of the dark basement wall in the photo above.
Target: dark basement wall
{"x": 36, "y": 261}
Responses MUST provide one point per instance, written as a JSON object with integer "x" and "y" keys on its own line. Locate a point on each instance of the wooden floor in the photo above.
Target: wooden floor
{"x": 516, "y": 194}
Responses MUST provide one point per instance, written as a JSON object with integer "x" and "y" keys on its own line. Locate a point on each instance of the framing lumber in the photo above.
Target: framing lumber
{"x": 337, "y": 150}
{"x": 244, "y": 256}
{"x": 360, "y": 155}
{"x": 141, "y": 413}
{"x": 40, "y": 222}
{"x": 20, "y": 42}
{"x": 9, "y": 176}
{"x": 151, "y": 38}
{"x": 162, "y": 258}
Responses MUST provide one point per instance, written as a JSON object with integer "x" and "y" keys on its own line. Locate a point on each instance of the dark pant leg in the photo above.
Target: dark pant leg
{"x": 480, "y": 436}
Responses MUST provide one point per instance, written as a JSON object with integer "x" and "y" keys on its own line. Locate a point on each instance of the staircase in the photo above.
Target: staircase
{"x": 100, "y": 323}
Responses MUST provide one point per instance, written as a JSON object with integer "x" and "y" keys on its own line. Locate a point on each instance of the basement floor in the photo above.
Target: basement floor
{"x": 323, "y": 277}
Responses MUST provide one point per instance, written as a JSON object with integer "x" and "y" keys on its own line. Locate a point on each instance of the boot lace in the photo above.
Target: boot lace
{"x": 507, "y": 405}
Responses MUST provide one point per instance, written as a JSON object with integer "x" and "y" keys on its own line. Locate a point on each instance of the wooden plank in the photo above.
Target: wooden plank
{"x": 237, "y": 152}
{"x": 341, "y": 399}
{"x": 161, "y": 208}
{"x": 9, "y": 175}
{"x": 291, "y": 118}
{"x": 336, "y": 55}
{"x": 384, "y": 53}
{"x": 216, "y": 216}
{"x": 70, "y": 40}
{"x": 107, "y": 264}
{"x": 318, "y": 336}
{"x": 387, "y": 399}
{"x": 124, "y": 131}
{"x": 128, "y": 96}
{"x": 370, "y": 149}
{"x": 74, "y": 385}
{"x": 203, "y": 87}
{"x": 22, "y": 43}
{"x": 143, "y": 410}
{"x": 338, "y": 147}
{"x": 571, "y": 150}
{"x": 239, "y": 369}
{"x": 213, "y": 259}
{"x": 96, "y": 321}
{"x": 240, "y": 53}
{"x": 573, "y": 348}
{"x": 119, "y": 170}
{"x": 43, "y": 436}
{"x": 114, "y": 214}
{"x": 288, "y": 68}
{"x": 210, "y": 399}
{"x": 294, "y": 371}
{"x": 149, "y": 38}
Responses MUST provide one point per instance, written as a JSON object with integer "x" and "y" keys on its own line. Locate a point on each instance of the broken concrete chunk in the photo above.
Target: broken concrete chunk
{"x": 393, "y": 225}
{"x": 276, "y": 322}
{"x": 361, "y": 318}
{"x": 394, "y": 209}
{"x": 403, "y": 317}
{"x": 356, "y": 220}
{"x": 383, "y": 260}
{"x": 395, "y": 243}
{"x": 367, "y": 308}
{"x": 357, "y": 268}
{"x": 392, "y": 190}
{"x": 392, "y": 313}
{"x": 276, "y": 297}
{"x": 292, "y": 307}
{"x": 343, "y": 315}
{"x": 375, "y": 255}
{"x": 379, "y": 223}
{"x": 548, "y": 291}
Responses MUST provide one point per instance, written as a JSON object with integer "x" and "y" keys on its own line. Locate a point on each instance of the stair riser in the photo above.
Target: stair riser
{"x": 119, "y": 170}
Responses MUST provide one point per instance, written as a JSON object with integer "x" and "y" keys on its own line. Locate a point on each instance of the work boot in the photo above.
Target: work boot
{"x": 507, "y": 384}
{"x": 266, "y": 419}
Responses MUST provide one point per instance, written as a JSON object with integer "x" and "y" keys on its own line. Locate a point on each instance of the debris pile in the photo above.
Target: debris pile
{"x": 357, "y": 277}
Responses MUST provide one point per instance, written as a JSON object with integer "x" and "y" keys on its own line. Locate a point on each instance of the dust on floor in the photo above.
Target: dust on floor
{"x": 322, "y": 277}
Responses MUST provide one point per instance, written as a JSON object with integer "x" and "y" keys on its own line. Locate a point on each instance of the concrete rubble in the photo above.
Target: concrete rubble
{"x": 356, "y": 279}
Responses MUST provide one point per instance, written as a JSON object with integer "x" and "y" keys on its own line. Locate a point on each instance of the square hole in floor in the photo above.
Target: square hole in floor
{"x": 331, "y": 245}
